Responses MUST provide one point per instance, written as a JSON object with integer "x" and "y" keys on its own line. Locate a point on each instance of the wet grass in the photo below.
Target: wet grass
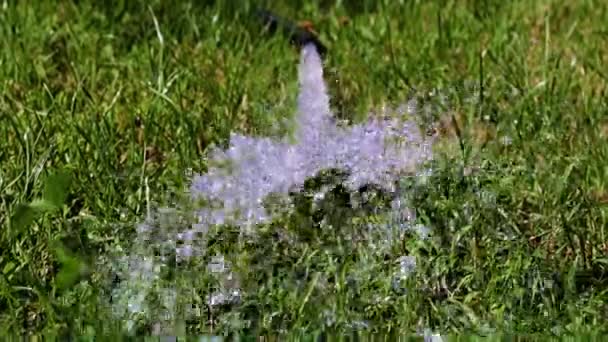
{"x": 126, "y": 98}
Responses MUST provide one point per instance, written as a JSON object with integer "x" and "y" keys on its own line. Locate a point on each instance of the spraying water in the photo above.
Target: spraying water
{"x": 251, "y": 168}
{"x": 261, "y": 166}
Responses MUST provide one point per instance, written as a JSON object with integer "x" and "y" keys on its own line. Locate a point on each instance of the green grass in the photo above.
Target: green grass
{"x": 125, "y": 108}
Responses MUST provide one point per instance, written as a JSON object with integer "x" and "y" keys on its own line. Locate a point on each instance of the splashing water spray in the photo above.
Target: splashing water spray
{"x": 378, "y": 152}
{"x": 370, "y": 154}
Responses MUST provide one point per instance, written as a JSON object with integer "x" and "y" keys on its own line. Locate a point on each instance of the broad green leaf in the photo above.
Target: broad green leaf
{"x": 70, "y": 270}
{"x": 56, "y": 189}
{"x": 68, "y": 275}
{"x": 8, "y": 267}
{"x": 42, "y": 206}
{"x": 24, "y": 216}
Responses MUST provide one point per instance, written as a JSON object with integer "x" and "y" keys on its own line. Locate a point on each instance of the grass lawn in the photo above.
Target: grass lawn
{"x": 106, "y": 110}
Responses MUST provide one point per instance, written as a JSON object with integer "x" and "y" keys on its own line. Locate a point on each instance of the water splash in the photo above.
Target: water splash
{"x": 241, "y": 177}
{"x": 376, "y": 152}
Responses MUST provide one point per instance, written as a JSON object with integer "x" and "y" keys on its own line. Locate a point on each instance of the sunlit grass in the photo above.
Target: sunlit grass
{"x": 516, "y": 201}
